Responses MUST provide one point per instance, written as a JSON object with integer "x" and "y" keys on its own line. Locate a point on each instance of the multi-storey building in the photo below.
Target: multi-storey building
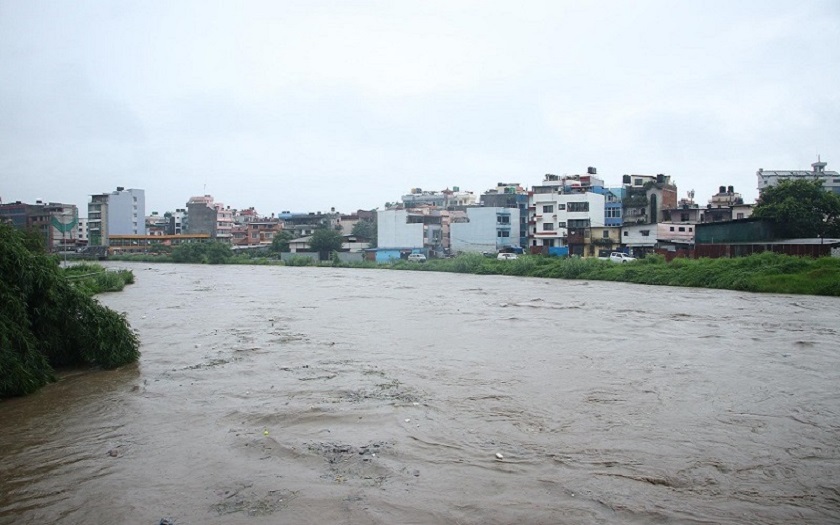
{"x": 207, "y": 216}
{"x": 561, "y": 222}
{"x": 830, "y": 179}
{"x": 646, "y": 196}
{"x": 510, "y": 195}
{"x": 439, "y": 199}
{"x": 484, "y": 229}
{"x": 304, "y": 224}
{"x": 121, "y": 212}
{"x": 55, "y": 221}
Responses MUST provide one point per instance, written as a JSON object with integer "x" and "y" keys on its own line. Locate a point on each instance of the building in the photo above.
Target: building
{"x": 56, "y": 222}
{"x": 438, "y": 199}
{"x": 204, "y": 215}
{"x": 830, "y": 179}
{"x": 401, "y": 229}
{"x": 485, "y": 229}
{"x": 645, "y": 198}
{"x": 510, "y": 195}
{"x": 305, "y": 224}
{"x": 560, "y": 223}
{"x": 121, "y": 212}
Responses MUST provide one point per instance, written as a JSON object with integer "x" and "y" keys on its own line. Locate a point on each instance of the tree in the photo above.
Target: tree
{"x": 366, "y": 229}
{"x": 801, "y": 209}
{"x": 325, "y": 241}
{"x": 280, "y": 242}
{"x": 46, "y": 321}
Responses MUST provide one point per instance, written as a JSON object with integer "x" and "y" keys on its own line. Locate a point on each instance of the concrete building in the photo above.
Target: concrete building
{"x": 510, "y": 195}
{"x": 401, "y": 229}
{"x": 646, "y": 196}
{"x": 561, "y": 222}
{"x": 485, "y": 229}
{"x": 55, "y": 221}
{"x": 305, "y": 224}
{"x": 121, "y": 212}
{"x": 439, "y": 199}
{"x": 830, "y": 179}
{"x": 210, "y": 217}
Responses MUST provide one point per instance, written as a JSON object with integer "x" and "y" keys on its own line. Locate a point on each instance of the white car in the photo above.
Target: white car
{"x": 416, "y": 257}
{"x": 506, "y": 256}
{"x": 618, "y": 257}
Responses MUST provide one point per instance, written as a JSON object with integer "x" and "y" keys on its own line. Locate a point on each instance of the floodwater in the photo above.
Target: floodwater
{"x": 313, "y": 395}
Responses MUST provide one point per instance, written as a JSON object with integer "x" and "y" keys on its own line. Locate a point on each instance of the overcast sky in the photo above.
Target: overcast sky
{"x": 309, "y": 105}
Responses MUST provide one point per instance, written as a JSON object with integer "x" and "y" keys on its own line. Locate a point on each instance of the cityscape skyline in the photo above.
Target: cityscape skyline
{"x": 310, "y": 106}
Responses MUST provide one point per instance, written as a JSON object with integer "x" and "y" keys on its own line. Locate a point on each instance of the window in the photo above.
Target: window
{"x": 645, "y": 233}
{"x": 626, "y": 234}
{"x": 637, "y": 182}
{"x": 548, "y": 227}
{"x": 605, "y": 234}
{"x": 561, "y": 207}
{"x": 682, "y": 228}
{"x": 691, "y": 229}
{"x": 561, "y": 224}
{"x": 612, "y": 213}
{"x": 548, "y": 209}
{"x": 502, "y": 233}
{"x": 578, "y": 223}
{"x": 502, "y": 219}
{"x": 740, "y": 216}
{"x": 684, "y": 217}
{"x": 672, "y": 228}
{"x": 578, "y": 206}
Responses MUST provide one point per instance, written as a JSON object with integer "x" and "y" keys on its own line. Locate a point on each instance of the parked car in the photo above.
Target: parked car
{"x": 619, "y": 257}
{"x": 416, "y": 257}
{"x": 506, "y": 256}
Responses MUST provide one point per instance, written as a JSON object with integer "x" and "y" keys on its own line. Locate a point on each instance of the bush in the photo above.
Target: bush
{"x": 46, "y": 321}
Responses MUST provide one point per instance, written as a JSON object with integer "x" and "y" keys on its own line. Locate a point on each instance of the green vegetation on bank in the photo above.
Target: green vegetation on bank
{"x": 47, "y": 321}
{"x": 92, "y": 279}
{"x": 765, "y": 272}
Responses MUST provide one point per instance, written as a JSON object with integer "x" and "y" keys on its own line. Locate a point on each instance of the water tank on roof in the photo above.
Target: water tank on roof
{"x": 732, "y": 189}
{"x": 625, "y": 179}
{"x": 591, "y": 170}
{"x": 660, "y": 178}
{"x": 722, "y": 189}
{"x": 456, "y": 188}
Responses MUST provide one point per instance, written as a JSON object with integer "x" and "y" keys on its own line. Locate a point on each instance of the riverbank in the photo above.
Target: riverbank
{"x": 92, "y": 279}
{"x": 762, "y": 273}
{"x": 49, "y": 318}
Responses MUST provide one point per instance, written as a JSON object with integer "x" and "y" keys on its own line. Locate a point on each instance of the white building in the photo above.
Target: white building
{"x": 395, "y": 230}
{"x": 830, "y": 179}
{"x": 485, "y": 229}
{"x": 554, "y": 216}
{"x": 121, "y": 212}
{"x": 80, "y": 232}
{"x": 440, "y": 199}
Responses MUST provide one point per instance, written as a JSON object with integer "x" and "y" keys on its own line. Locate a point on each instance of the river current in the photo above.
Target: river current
{"x": 326, "y": 396}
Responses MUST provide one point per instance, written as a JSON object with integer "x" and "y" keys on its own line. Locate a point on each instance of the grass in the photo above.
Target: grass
{"x": 764, "y": 272}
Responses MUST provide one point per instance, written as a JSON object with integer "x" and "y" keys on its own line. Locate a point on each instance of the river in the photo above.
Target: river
{"x": 326, "y": 396}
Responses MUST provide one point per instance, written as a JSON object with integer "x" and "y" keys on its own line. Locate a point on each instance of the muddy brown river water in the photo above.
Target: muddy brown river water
{"x": 338, "y": 396}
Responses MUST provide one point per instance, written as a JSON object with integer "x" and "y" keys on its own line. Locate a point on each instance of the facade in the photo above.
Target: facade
{"x": 510, "y": 195}
{"x": 830, "y": 179}
{"x": 212, "y": 218}
{"x": 646, "y": 196}
{"x": 399, "y": 229}
{"x": 439, "y": 199}
{"x": 256, "y": 233}
{"x": 563, "y": 219}
{"x": 121, "y": 212}
{"x": 55, "y": 221}
{"x": 305, "y": 224}
{"x": 639, "y": 239}
{"x": 485, "y": 229}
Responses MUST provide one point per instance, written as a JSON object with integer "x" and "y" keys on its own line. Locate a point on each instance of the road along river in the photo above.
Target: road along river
{"x": 315, "y": 395}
